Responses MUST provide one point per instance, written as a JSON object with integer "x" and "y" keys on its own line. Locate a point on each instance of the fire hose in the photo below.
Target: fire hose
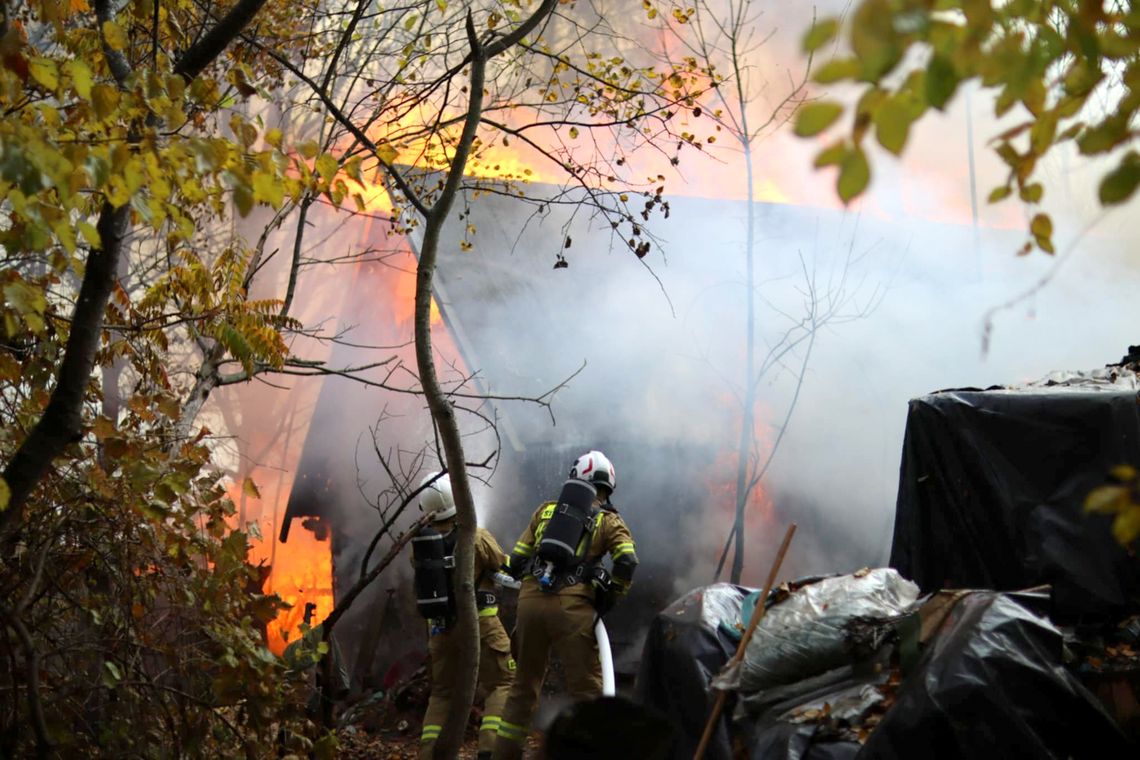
{"x": 606, "y": 656}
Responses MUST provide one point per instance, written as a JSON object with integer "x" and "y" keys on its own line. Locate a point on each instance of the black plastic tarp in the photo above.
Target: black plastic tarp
{"x": 991, "y": 490}
{"x": 686, "y": 646}
{"x": 991, "y": 683}
{"x": 792, "y": 741}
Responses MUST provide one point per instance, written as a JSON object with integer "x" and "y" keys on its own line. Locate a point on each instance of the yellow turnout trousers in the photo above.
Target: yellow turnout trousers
{"x": 564, "y": 622}
{"x": 496, "y": 670}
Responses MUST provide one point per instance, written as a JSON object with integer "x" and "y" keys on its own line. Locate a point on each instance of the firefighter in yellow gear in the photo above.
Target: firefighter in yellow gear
{"x": 560, "y": 602}
{"x": 496, "y": 666}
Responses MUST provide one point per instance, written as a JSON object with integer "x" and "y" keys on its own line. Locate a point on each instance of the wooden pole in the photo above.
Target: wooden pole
{"x": 718, "y": 706}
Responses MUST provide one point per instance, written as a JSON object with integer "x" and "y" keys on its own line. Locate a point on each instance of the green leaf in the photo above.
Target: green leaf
{"x": 1042, "y": 228}
{"x": 874, "y": 39}
{"x": 821, "y": 33}
{"x": 837, "y": 70}
{"x": 1119, "y": 184}
{"x": 892, "y": 125}
{"x": 5, "y": 494}
{"x": 941, "y": 81}
{"x": 854, "y": 174}
{"x": 1042, "y": 133}
{"x": 249, "y": 488}
{"x": 816, "y": 117}
{"x": 111, "y": 674}
{"x": 243, "y": 198}
{"x": 89, "y": 232}
{"x": 1081, "y": 78}
{"x": 1104, "y": 136}
{"x": 832, "y": 155}
{"x": 1032, "y": 193}
{"x": 999, "y": 194}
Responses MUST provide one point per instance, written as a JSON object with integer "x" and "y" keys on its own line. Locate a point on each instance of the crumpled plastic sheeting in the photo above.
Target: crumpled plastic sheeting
{"x": 791, "y": 741}
{"x": 685, "y": 646}
{"x": 1106, "y": 378}
{"x": 992, "y": 684}
{"x": 804, "y": 634}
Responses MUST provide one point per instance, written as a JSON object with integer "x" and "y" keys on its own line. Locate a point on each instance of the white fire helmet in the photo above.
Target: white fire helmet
{"x": 436, "y": 499}
{"x": 596, "y": 468}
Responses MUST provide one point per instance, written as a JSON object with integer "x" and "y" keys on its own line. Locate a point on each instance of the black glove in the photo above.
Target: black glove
{"x": 605, "y": 597}
{"x": 513, "y": 567}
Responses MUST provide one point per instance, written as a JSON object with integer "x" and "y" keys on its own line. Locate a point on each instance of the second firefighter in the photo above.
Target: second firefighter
{"x": 434, "y": 558}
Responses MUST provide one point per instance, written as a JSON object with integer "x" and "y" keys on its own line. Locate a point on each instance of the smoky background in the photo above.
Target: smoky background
{"x": 931, "y": 269}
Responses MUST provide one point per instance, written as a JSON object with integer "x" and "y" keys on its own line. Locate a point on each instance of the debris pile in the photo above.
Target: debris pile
{"x": 949, "y": 675}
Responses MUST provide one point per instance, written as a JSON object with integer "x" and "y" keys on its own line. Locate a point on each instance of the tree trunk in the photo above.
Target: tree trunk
{"x": 466, "y": 632}
{"x": 747, "y": 423}
{"x": 62, "y": 420}
{"x": 443, "y": 413}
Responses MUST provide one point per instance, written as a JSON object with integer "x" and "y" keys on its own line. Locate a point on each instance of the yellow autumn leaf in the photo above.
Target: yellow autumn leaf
{"x": 114, "y": 35}
{"x": 5, "y": 494}
{"x": 352, "y": 169}
{"x": 89, "y": 233}
{"x": 267, "y": 188}
{"x": 249, "y": 488}
{"x": 386, "y": 152}
{"x": 80, "y": 75}
{"x": 1106, "y": 499}
{"x": 1126, "y": 526}
{"x": 105, "y": 98}
{"x": 44, "y": 71}
{"x": 326, "y": 167}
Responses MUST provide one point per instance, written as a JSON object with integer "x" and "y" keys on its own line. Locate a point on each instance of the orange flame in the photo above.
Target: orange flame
{"x": 300, "y": 571}
{"x": 302, "y": 575}
{"x": 719, "y": 507}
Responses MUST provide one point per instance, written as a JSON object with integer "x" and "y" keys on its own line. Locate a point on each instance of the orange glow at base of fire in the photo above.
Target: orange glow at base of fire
{"x": 300, "y": 570}
{"x": 719, "y": 504}
{"x": 301, "y": 575}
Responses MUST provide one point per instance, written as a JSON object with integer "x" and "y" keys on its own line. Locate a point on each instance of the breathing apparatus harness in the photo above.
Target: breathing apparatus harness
{"x": 567, "y": 530}
{"x": 433, "y": 557}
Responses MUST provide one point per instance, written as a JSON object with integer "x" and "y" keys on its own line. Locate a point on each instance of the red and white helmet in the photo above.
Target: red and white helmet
{"x": 594, "y": 467}
{"x": 436, "y": 499}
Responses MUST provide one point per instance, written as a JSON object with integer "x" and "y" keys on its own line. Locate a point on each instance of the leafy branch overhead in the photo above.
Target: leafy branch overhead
{"x": 1068, "y": 70}
{"x": 1121, "y": 499}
